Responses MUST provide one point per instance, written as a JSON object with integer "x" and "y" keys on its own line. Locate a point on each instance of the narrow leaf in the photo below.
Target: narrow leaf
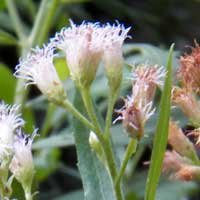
{"x": 96, "y": 180}
{"x": 161, "y": 135}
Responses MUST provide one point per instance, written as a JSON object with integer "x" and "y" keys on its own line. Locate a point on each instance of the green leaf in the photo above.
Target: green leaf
{"x": 7, "y": 84}
{"x": 160, "y": 138}
{"x": 7, "y": 39}
{"x": 54, "y": 141}
{"x": 46, "y": 162}
{"x": 77, "y": 195}
{"x": 96, "y": 180}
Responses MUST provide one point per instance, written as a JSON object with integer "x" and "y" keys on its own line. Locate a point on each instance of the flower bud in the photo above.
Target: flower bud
{"x": 185, "y": 99}
{"x": 180, "y": 143}
{"x": 96, "y": 146}
{"x": 112, "y": 55}
{"x": 22, "y": 166}
{"x": 135, "y": 113}
{"x": 38, "y": 68}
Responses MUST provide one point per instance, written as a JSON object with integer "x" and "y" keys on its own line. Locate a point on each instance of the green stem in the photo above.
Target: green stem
{"x": 129, "y": 152}
{"x": 47, "y": 121}
{"x": 111, "y": 166}
{"x": 107, "y": 147}
{"x": 15, "y": 19}
{"x": 47, "y": 8}
{"x": 111, "y": 103}
{"x": 28, "y": 195}
{"x": 69, "y": 107}
{"x": 85, "y": 92}
{"x": 43, "y": 21}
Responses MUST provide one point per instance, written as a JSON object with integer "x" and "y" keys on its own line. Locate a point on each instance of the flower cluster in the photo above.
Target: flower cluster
{"x": 85, "y": 46}
{"x": 15, "y": 146}
{"x": 182, "y": 162}
{"x": 138, "y": 106}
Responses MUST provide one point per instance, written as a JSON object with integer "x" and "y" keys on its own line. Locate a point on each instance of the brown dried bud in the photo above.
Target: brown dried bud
{"x": 181, "y": 143}
{"x": 196, "y": 134}
{"x": 179, "y": 168}
{"x": 186, "y": 100}
{"x": 188, "y": 173}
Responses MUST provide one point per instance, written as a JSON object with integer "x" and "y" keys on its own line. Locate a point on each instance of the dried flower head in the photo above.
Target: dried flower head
{"x": 148, "y": 77}
{"x": 172, "y": 162}
{"x": 22, "y": 165}
{"x": 188, "y": 173}
{"x": 185, "y": 99}
{"x": 179, "y": 168}
{"x": 10, "y": 120}
{"x": 190, "y": 69}
{"x": 38, "y": 68}
{"x": 196, "y": 134}
{"x": 180, "y": 142}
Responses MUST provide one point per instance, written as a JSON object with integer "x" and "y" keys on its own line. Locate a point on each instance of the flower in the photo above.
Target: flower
{"x": 135, "y": 113}
{"x": 138, "y": 107}
{"x": 82, "y": 45}
{"x": 10, "y": 120}
{"x": 148, "y": 77}
{"x": 190, "y": 69}
{"x": 38, "y": 68}
{"x": 86, "y": 44}
{"x": 112, "y": 55}
{"x": 21, "y": 165}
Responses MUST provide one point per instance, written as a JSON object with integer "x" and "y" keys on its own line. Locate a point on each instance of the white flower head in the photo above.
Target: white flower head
{"x": 82, "y": 45}
{"x": 38, "y": 68}
{"x": 21, "y": 164}
{"x": 10, "y": 120}
{"x": 85, "y": 45}
{"x": 113, "y": 56}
